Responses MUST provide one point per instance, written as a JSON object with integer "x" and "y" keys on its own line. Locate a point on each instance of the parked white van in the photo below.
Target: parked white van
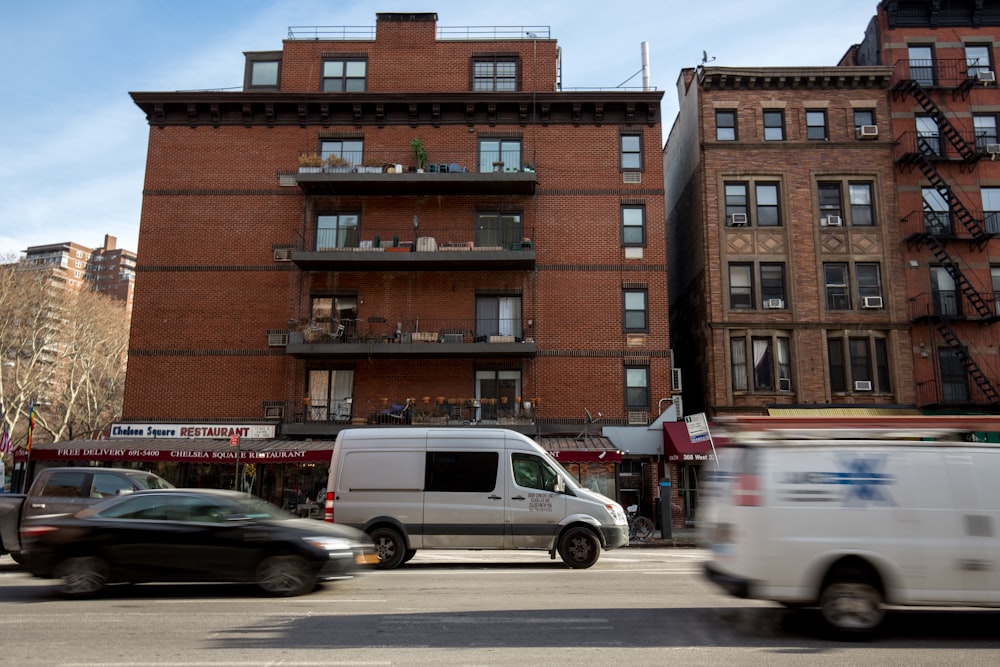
{"x": 851, "y": 515}
{"x": 477, "y": 488}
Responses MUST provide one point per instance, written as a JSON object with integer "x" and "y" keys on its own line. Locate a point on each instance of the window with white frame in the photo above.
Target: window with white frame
{"x": 760, "y": 362}
{"x": 637, "y": 387}
{"x": 860, "y": 199}
{"x": 752, "y": 202}
{"x": 928, "y": 135}
{"x": 631, "y": 152}
{"x": 991, "y": 209}
{"x": 936, "y": 213}
{"x": 348, "y": 75}
{"x": 985, "y": 129}
{"x": 995, "y": 281}
{"x": 741, "y": 286}
{"x": 858, "y": 363}
{"x": 633, "y": 225}
{"x": 635, "y": 310}
{"x": 944, "y": 294}
{"x": 860, "y": 209}
{"x": 494, "y": 74}
{"x": 977, "y": 59}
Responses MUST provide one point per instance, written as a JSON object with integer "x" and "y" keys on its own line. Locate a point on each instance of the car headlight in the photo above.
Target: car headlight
{"x": 329, "y": 543}
{"x": 617, "y": 513}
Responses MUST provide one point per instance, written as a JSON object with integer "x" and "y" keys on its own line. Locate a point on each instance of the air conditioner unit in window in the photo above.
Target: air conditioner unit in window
{"x": 675, "y": 379}
{"x": 738, "y": 220}
{"x": 282, "y": 254}
{"x": 872, "y": 302}
{"x": 274, "y": 412}
{"x": 784, "y": 384}
{"x": 831, "y": 221}
{"x": 986, "y": 76}
{"x": 868, "y": 132}
{"x": 862, "y": 385}
{"x": 678, "y": 402}
{"x": 277, "y": 339}
{"x": 637, "y": 417}
{"x": 993, "y": 149}
{"x": 775, "y": 303}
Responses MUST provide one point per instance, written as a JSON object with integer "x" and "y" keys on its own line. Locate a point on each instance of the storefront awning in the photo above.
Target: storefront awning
{"x": 842, "y": 411}
{"x": 185, "y": 450}
{"x": 588, "y": 449}
{"x": 677, "y": 445}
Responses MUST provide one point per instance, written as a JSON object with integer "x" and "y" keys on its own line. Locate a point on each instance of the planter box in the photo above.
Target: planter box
{"x": 501, "y": 339}
{"x": 425, "y": 337}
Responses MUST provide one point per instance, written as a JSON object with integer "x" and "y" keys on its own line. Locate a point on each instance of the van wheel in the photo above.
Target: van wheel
{"x": 852, "y": 607}
{"x": 579, "y": 547}
{"x": 389, "y": 547}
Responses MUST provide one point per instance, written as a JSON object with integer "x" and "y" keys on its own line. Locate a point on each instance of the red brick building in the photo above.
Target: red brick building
{"x": 405, "y": 224}
{"x": 108, "y": 269}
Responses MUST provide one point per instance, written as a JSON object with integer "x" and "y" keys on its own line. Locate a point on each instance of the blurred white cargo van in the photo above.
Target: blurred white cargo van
{"x": 477, "y": 488}
{"x": 853, "y": 514}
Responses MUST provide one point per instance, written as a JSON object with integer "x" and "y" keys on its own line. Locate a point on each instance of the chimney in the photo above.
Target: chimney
{"x": 110, "y": 242}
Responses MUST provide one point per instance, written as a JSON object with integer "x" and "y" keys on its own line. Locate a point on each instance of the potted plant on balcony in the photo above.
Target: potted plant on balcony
{"x": 337, "y": 164}
{"x": 310, "y": 163}
{"x": 371, "y": 165}
{"x": 419, "y": 153}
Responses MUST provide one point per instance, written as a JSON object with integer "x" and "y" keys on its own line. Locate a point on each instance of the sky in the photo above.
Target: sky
{"x": 73, "y": 144}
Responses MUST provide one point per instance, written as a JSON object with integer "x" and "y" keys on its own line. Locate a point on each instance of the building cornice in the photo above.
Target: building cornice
{"x": 756, "y": 78}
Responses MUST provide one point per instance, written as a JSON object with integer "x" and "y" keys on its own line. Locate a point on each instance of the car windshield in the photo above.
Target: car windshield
{"x": 260, "y": 509}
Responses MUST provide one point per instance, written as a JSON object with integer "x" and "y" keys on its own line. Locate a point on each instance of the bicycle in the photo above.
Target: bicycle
{"x": 639, "y": 527}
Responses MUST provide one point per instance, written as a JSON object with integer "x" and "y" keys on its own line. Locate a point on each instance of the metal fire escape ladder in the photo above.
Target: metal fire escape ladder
{"x": 931, "y": 173}
{"x": 948, "y": 264}
{"x": 971, "y": 367}
{"x": 968, "y": 152}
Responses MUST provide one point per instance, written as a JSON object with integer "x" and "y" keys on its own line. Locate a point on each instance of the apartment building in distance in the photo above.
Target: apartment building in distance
{"x": 944, "y": 102}
{"x": 108, "y": 269}
{"x": 407, "y": 224}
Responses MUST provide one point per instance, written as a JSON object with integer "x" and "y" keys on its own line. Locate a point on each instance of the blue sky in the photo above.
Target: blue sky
{"x": 73, "y": 145}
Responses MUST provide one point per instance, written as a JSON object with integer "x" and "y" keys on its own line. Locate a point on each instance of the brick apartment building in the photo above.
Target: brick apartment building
{"x": 306, "y": 268}
{"x": 832, "y": 230}
{"x": 108, "y": 269}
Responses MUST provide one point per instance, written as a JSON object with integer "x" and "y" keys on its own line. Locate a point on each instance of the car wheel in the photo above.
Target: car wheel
{"x": 409, "y": 554}
{"x": 81, "y": 576}
{"x": 852, "y": 607}
{"x": 389, "y": 547}
{"x": 579, "y": 547}
{"x": 285, "y": 576}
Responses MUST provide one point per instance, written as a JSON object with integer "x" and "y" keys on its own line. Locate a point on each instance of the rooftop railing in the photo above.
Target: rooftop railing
{"x": 367, "y": 33}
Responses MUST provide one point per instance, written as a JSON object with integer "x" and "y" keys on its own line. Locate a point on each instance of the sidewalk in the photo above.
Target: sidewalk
{"x": 681, "y": 537}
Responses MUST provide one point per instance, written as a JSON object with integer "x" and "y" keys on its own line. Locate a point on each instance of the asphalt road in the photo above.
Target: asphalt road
{"x": 635, "y": 607}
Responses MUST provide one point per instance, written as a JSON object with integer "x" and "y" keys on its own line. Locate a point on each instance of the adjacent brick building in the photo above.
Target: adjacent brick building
{"x": 108, "y": 269}
{"x": 406, "y": 224}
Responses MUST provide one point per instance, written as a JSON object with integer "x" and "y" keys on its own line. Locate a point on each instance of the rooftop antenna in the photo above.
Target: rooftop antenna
{"x": 705, "y": 59}
{"x": 585, "y": 433}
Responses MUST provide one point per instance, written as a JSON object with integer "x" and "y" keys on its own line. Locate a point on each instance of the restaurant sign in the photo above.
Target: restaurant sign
{"x": 213, "y": 431}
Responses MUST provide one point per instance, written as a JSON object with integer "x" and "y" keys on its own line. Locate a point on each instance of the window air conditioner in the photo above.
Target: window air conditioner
{"x": 986, "y": 76}
{"x": 862, "y": 385}
{"x": 831, "y": 221}
{"x": 282, "y": 254}
{"x": 775, "y": 303}
{"x": 868, "y": 132}
{"x": 784, "y": 384}
{"x": 277, "y": 339}
{"x": 993, "y": 149}
{"x": 675, "y": 379}
{"x": 637, "y": 417}
{"x": 274, "y": 412}
{"x": 738, "y": 219}
{"x": 872, "y": 302}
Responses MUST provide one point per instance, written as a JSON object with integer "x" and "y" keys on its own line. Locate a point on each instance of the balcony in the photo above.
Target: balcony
{"x": 394, "y": 175}
{"x": 376, "y": 338}
{"x": 505, "y": 246}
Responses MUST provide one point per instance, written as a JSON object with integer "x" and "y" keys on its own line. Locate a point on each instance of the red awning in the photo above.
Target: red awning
{"x": 185, "y": 450}
{"x": 677, "y": 445}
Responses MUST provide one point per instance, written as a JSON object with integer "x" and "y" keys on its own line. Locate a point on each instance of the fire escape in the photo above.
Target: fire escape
{"x": 936, "y": 229}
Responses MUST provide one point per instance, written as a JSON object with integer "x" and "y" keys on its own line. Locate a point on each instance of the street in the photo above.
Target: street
{"x": 635, "y": 607}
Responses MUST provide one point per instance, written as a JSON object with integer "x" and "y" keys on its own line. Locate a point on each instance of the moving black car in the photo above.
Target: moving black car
{"x": 191, "y": 535}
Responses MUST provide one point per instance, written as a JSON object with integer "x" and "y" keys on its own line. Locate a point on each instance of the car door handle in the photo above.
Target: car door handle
{"x": 37, "y": 506}
{"x": 517, "y": 497}
{"x": 494, "y": 497}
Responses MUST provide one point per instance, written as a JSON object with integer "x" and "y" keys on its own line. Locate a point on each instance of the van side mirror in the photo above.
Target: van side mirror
{"x": 560, "y": 485}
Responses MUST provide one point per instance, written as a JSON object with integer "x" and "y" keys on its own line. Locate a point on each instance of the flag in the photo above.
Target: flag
{"x": 5, "y": 445}
{"x": 31, "y": 422}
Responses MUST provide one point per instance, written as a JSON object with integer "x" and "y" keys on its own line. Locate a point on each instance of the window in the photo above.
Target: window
{"x": 816, "y": 125}
{"x": 494, "y": 74}
{"x": 492, "y": 387}
{"x": 637, "y": 387}
{"x": 736, "y": 204}
{"x": 863, "y": 117}
{"x": 995, "y": 280}
{"x": 860, "y": 197}
{"x": 772, "y": 285}
{"x": 725, "y": 125}
{"x": 336, "y": 309}
{"x": 351, "y": 150}
{"x": 533, "y": 472}
{"x": 991, "y": 209}
{"x": 921, "y": 64}
{"x": 985, "y": 130}
{"x": 635, "y": 307}
{"x": 858, "y": 363}
{"x": 830, "y": 202}
{"x": 838, "y": 296}
{"x": 330, "y": 394}
{"x": 631, "y": 151}
{"x": 264, "y": 73}
{"x": 461, "y": 472}
{"x": 760, "y": 363}
{"x": 344, "y": 76}
{"x": 336, "y": 230}
{"x": 937, "y": 217}
{"x": 774, "y": 125}
{"x": 499, "y": 154}
{"x": 869, "y": 275}
{"x": 495, "y": 229}
{"x": 633, "y": 225}
{"x": 928, "y": 136}
{"x": 954, "y": 380}
{"x": 498, "y": 316}
{"x": 977, "y": 59}
{"x": 765, "y": 204}
{"x": 943, "y": 293}
{"x": 741, "y": 286}
{"x": 768, "y": 213}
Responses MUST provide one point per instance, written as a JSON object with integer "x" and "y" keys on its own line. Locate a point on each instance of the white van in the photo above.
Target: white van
{"x": 853, "y": 515}
{"x": 477, "y": 488}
